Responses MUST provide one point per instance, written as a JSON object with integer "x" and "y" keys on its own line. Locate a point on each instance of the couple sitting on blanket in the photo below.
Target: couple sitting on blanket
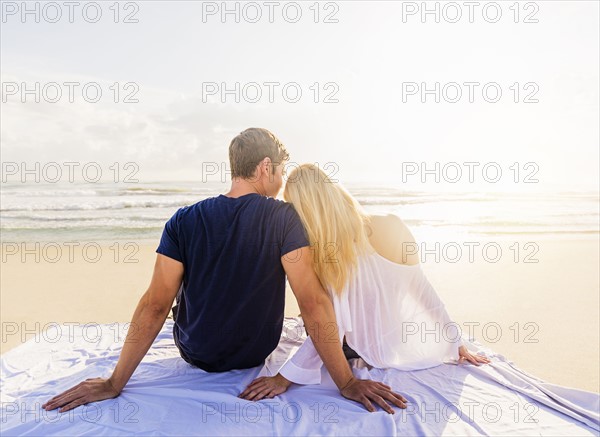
{"x": 225, "y": 259}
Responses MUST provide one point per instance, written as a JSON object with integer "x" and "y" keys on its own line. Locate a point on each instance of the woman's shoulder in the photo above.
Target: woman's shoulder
{"x": 386, "y": 218}
{"x": 390, "y": 225}
{"x": 392, "y": 239}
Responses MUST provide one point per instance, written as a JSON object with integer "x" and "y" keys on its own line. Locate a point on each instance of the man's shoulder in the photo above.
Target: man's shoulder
{"x": 280, "y": 206}
{"x": 192, "y": 210}
{"x": 276, "y": 210}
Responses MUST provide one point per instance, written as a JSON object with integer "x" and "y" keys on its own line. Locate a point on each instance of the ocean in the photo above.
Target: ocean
{"x": 108, "y": 212}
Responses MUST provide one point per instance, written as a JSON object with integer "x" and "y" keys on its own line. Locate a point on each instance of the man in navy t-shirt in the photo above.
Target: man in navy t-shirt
{"x": 229, "y": 312}
{"x": 224, "y": 260}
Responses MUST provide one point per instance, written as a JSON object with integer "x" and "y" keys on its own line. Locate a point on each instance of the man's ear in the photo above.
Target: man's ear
{"x": 261, "y": 168}
{"x": 267, "y": 167}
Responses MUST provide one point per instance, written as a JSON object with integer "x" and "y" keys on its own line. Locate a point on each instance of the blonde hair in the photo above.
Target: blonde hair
{"x": 334, "y": 221}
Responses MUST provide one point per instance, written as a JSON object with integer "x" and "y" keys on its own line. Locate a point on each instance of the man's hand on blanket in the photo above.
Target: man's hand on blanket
{"x": 465, "y": 355}
{"x": 90, "y": 390}
{"x": 366, "y": 392}
{"x": 265, "y": 387}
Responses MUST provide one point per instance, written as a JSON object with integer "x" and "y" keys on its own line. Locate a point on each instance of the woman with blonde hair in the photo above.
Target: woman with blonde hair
{"x": 385, "y": 307}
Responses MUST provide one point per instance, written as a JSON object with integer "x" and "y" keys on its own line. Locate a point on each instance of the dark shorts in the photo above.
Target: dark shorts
{"x": 349, "y": 353}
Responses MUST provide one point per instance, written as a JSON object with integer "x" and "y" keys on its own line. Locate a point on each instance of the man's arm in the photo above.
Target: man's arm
{"x": 319, "y": 320}
{"x": 147, "y": 321}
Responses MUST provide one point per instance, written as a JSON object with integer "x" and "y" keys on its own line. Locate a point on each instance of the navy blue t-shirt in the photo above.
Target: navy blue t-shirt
{"x": 229, "y": 311}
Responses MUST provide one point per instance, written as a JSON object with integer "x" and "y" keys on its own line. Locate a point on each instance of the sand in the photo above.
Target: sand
{"x": 547, "y": 313}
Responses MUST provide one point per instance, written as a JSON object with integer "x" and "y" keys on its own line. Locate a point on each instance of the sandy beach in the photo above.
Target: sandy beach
{"x": 543, "y": 316}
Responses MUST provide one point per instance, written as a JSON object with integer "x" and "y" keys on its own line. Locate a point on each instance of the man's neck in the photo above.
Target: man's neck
{"x": 241, "y": 187}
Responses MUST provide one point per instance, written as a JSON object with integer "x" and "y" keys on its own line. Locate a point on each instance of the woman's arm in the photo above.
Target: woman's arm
{"x": 305, "y": 365}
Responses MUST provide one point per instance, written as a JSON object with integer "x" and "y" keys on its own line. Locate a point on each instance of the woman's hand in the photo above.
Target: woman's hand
{"x": 465, "y": 355}
{"x": 90, "y": 390}
{"x": 265, "y": 387}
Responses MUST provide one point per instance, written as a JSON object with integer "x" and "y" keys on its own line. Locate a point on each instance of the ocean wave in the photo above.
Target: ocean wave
{"x": 123, "y": 204}
{"x": 106, "y": 190}
{"x": 413, "y": 201}
{"x": 75, "y": 218}
{"x": 50, "y": 193}
{"x": 156, "y": 191}
{"x": 73, "y": 226}
{"x": 543, "y": 232}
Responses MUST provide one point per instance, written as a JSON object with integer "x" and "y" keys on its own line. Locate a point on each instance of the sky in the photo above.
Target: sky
{"x": 361, "y": 70}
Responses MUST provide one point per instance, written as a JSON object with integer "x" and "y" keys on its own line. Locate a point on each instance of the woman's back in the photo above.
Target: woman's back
{"x": 391, "y": 314}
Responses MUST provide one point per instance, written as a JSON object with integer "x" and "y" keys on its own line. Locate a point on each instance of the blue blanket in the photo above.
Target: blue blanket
{"x": 167, "y": 396}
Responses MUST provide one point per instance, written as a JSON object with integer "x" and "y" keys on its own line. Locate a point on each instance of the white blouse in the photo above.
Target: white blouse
{"x": 391, "y": 316}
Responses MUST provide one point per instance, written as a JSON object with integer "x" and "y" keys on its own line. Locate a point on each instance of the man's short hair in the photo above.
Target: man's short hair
{"x": 250, "y": 147}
